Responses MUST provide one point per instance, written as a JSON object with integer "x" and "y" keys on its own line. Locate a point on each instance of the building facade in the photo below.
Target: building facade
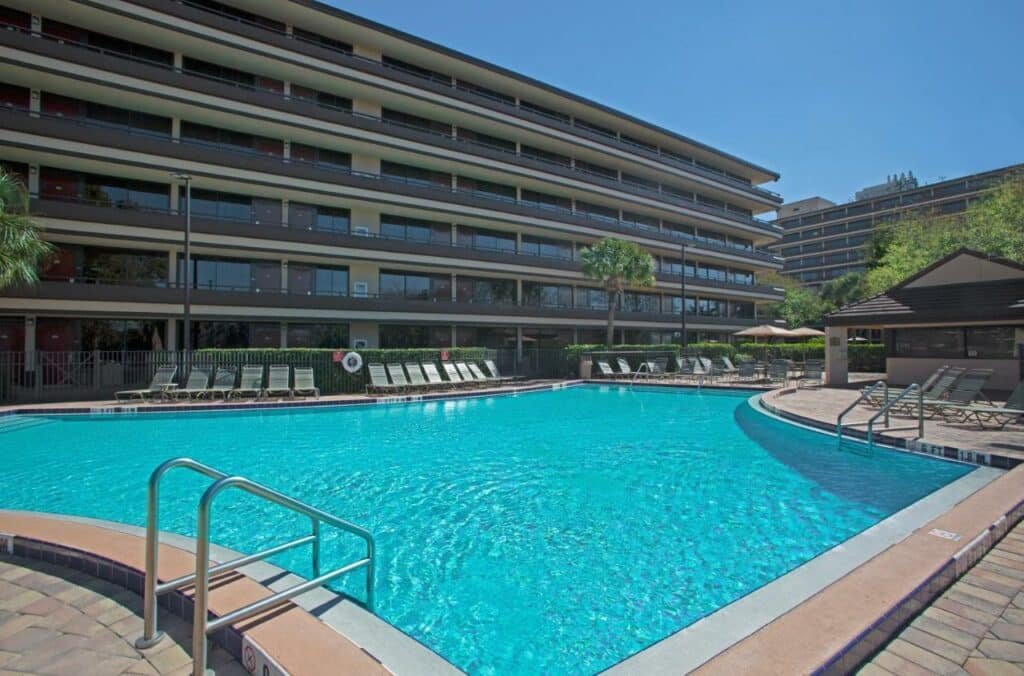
{"x": 351, "y": 186}
{"x": 822, "y": 240}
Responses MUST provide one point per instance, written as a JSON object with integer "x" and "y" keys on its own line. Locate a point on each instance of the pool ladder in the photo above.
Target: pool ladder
{"x": 887, "y": 405}
{"x": 202, "y": 625}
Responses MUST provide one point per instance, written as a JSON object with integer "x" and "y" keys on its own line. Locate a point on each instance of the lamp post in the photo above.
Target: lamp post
{"x": 682, "y": 294}
{"x": 187, "y": 315}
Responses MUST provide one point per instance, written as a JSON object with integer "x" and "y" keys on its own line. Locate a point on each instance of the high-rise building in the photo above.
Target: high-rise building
{"x": 351, "y": 185}
{"x": 822, "y": 240}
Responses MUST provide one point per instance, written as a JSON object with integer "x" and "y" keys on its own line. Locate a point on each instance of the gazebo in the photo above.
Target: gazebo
{"x": 965, "y": 310}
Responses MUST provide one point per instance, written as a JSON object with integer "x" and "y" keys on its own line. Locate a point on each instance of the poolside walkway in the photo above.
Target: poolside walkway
{"x": 976, "y": 627}
{"x": 57, "y": 621}
{"x": 824, "y": 405}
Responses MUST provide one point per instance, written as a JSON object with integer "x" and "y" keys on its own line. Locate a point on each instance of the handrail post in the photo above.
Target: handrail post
{"x": 200, "y": 598}
{"x": 150, "y": 634}
{"x": 920, "y": 412}
{"x": 885, "y": 389}
{"x": 316, "y": 548}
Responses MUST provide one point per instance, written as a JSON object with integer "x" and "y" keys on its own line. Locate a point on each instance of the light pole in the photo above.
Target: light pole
{"x": 187, "y": 338}
{"x": 682, "y": 294}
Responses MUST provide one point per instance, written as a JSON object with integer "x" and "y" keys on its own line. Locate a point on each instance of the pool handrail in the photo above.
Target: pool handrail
{"x": 202, "y": 626}
{"x": 863, "y": 395}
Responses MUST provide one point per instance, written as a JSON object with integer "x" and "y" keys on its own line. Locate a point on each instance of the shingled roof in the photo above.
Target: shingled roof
{"x": 989, "y": 301}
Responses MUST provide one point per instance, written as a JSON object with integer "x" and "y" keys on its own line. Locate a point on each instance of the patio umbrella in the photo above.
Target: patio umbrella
{"x": 765, "y": 331}
{"x": 806, "y": 332}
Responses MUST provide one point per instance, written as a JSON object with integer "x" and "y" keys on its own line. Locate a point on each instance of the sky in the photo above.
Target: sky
{"x": 834, "y": 96}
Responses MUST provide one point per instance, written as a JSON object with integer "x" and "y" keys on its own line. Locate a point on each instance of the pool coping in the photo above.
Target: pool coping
{"x": 696, "y": 644}
{"x": 396, "y": 652}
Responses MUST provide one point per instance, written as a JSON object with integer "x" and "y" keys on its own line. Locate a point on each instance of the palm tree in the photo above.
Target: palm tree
{"x": 21, "y": 248}
{"x": 617, "y": 264}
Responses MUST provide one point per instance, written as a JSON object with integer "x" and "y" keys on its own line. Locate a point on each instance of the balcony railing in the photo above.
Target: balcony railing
{"x": 622, "y": 185}
{"x": 416, "y": 184}
{"x": 277, "y": 229}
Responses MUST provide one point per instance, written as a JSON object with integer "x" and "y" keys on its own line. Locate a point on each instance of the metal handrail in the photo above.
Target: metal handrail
{"x": 889, "y": 404}
{"x": 639, "y": 369}
{"x": 863, "y": 395}
{"x": 202, "y": 625}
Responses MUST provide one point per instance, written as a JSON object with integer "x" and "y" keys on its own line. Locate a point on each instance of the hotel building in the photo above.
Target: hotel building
{"x": 823, "y": 240}
{"x": 351, "y": 186}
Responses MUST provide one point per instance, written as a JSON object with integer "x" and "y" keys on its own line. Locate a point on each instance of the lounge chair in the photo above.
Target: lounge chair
{"x": 397, "y": 376}
{"x": 661, "y": 367}
{"x": 707, "y": 366}
{"x": 778, "y": 369}
{"x": 197, "y": 385}
{"x": 966, "y": 390}
{"x": 379, "y": 379}
{"x": 747, "y": 370}
{"x": 624, "y": 368}
{"x": 250, "y": 384}
{"x": 279, "y": 382}
{"x": 726, "y": 367}
{"x": 467, "y": 375}
{"x": 223, "y": 381}
{"x": 684, "y": 367}
{"x": 415, "y": 373}
{"x": 433, "y": 376}
{"x": 304, "y": 382}
{"x": 604, "y": 369}
{"x": 941, "y": 381}
{"x": 495, "y": 374}
{"x": 454, "y": 377}
{"x": 479, "y": 375}
{"x": 162, "y": 379}
{"x": 1000, "y": 416}
{"x": 813, "y": 370}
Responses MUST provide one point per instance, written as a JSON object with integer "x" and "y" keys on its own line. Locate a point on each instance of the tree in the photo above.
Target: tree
{"x": 617, "y": 264}
{"x": 993, "y": 225}
{"x": 21, "y": 248}
{"x": 801, "y": 306}
{"x": 836, "y": 293}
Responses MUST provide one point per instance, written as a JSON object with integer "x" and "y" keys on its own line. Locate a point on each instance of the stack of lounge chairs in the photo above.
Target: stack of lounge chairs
{"x": 425, "y": 376}
{"x": 198, "y": 385}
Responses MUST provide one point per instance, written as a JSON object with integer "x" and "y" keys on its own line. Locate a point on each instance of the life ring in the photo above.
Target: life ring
{"x": 352, "y": 362}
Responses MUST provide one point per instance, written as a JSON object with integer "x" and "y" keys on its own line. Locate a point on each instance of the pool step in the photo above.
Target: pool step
{"x": 12, "y": 423}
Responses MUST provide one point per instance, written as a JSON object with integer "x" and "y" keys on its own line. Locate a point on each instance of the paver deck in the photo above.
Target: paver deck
{"x": 824, "y": 405}
{"x": 976, "y": 627}
{"x": 57, "y": 621}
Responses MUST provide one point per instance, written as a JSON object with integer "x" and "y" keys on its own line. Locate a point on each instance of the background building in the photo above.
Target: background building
{"x": 351, "y": 186}
{"x": 822, "y": 240}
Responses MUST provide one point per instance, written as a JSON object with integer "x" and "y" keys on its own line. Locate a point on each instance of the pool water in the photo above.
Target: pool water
{"x": 550, "y": 532}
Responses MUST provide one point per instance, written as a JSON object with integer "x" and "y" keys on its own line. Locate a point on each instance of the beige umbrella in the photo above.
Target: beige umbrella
{"x": 806, "y": 332}
{"x": 765, "y": 331}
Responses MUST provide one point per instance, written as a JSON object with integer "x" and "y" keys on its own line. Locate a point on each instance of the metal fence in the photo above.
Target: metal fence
{"x": 39, "y": 376}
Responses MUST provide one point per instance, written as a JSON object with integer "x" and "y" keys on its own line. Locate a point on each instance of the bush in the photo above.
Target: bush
{"x": 861, "y": 357}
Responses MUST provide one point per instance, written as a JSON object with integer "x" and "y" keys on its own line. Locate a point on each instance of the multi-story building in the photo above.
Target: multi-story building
{"x": 351, "y": 185}
{"x": 822, "y": 240}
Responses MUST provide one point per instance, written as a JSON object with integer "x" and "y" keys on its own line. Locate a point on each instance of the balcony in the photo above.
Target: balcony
{"x": 230, "y": 24}
{"x": 367, "y": 306}
{"x": 83, "y": 210}
{"x": 96, "y": 133}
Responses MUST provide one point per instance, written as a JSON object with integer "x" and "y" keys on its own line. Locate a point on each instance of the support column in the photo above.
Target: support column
{"x": 284, "y": 276}
{"x": 35, "y": 102}
{"x": 30, "y": 343}
{"x": 172, "y": 267}
{"x": 285, "y": 220}
{"x": 33, "y": 179}
{"x": 179, "y": 61}
{"x": 286, "y": 152}
{"x": 836, "y": 358}
{"x": 36, "y": 25}
{"x": 454, "y": 338}
{"x": 519, "y": 344}
{"x": 519, "y": 292}
{"x": 455, "y": 234}
{"x": 284, "y": 334}
{"x": 172, "y": 335}
{"x": 175, "y": 196}
{"x": 454, "y": 283}
{"x": 176, "y": 129}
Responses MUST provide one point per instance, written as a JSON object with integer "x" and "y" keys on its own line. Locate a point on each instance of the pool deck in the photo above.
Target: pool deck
{"x": 821, "y": 407}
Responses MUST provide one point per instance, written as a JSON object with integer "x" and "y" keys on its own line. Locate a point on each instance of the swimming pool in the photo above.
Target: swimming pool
{"x": 550, "y": 532}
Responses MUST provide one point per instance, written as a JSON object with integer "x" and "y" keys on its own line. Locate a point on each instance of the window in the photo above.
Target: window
{"x": 216, "y": 204}
{"x": 540, "y": 155}
{"x": 481, "y": 139}
{"x": 415, "y": 175}
{"x": 592, "y": 299}
{"x": 320, "y": 98}
{"x": 680, "y": 229}
{"x": 741, "y": 309}
{"x": 415, "y": 286}
{"x": 995, "y": 342}
{"x": 639, "y": 182}
{"x": 118, "y": 334}
{"x": 107, "y": 191}
{"x": 119, "y": 266}
{"x": 594, "y": 128}
{"x": 317, "y": 280}
{"x": 415, "y": 230}
{"x": 596, "y": 211}
{"x": 326, "y": 336}
{"x": 637, "y": 142}
{"x": 393, "y": 336}
{"x": 240, "y": 335}
{"x": 672, "y": 305}
{"x": 321, "y": 41}
{"x": 481, "y": 290}
{"x": 334, "y": 159}
{"x": 544, "y": 111}
{"x": 545, "y": 201}
{"x": 548, "y": 248}
{"x": 230, "y": 274}
{"x": 489, "y": 189}
{"x": 679, "y": 193}
{"x": 65, "y": 106}
{"x": 489, "y": 240}
{"x": 415, "y": 121}
{"x": 597, "y": 170}
{"x": 231, "y": 76}
{"x": 641, "y": 302}
{"x": 232, "y": 140}
{"x": 485, "y": 336}
{"x": 741, "y": 276}
{"x": 711, "y": 307}
{"x": 417, "y": 71}
{"x": 315, "y": 217}
{"x": 486, "y": 92}
{"x": 241, "y": 15}
{"x": 714, "y": 273}
{"x": 641, "y": 221}
{"x": 928, "y": 342}
{"x": 536, "y": 294}
{"x": 60, "y": 32}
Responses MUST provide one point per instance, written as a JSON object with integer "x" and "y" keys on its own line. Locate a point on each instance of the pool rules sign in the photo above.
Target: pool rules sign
{"x": 258, "y": 662}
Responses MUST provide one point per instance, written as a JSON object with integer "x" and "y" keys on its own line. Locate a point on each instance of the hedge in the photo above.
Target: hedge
{"x": 330, "y": 377}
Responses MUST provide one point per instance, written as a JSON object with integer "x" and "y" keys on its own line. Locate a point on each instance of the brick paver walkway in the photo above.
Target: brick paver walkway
{"x": 57, "y": 621}
{"x": 976, "y": 627}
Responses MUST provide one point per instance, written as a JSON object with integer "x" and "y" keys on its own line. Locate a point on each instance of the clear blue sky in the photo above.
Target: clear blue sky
{"x": 832, "y": 95}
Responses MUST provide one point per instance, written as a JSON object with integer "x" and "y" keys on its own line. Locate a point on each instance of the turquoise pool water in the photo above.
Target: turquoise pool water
{"x": 551, "y": 532}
